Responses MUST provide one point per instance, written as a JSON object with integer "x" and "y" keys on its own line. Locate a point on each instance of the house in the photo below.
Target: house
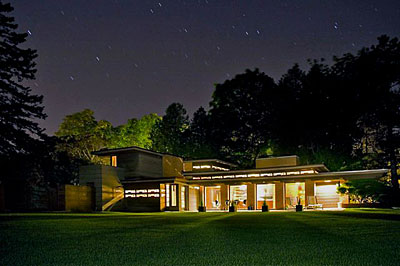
{"x": 136, "y": 179}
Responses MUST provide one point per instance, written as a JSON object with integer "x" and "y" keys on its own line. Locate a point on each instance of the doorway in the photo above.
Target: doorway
{"x": 213, "y": 198}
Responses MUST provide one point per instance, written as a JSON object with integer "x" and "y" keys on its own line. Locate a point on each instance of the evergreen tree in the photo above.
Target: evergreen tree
{"x": 170, "y": 132}
{"x": 18, "y": 106}
{"x": 199, "y": 139}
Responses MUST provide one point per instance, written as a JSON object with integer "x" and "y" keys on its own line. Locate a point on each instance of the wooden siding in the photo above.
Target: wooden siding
{"x": 141, "y": 204}
{"x": 140, "y": 164}
{"x": 172, "y": 166}
{"x": 79, "y": 198}
{"x": 277, "y": 162}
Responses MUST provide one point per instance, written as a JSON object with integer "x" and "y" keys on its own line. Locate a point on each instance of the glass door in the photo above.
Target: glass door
{"x": 238, "y": 194}
{"x": 213, "y": 198}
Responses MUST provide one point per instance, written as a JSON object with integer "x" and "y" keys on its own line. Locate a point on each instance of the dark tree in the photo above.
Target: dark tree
{"x": 242, "y": 115}
{"x": 169, "y": 133}
{"x": 199, "y": 139}
{"x": 18, "y": 106}
{"x": 315, "y": 117}
{"x": 372, "y": 81}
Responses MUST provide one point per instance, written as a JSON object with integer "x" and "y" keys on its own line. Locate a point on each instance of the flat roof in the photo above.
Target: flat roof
{"x": 348, "y": 175}
{"x": 132, "y": 148}
{"x": 210, "y": 160}
{"x": 278, "y": 157}
{"x": 319, "y": 167}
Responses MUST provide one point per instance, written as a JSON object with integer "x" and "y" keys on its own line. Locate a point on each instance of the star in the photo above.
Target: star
{"x": 98, "y": 59}
{"x": 336, "y": 25}
{"x": 29, "y": 32}
{"x": 152, "y": 11}
{"x": 71, "y": 77}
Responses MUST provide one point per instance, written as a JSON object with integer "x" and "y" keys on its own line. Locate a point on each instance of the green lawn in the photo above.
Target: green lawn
{"x": 352, "y": 237}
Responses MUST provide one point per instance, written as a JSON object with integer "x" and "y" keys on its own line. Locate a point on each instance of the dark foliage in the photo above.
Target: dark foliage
{"x": 169, "y": 133}
{"x": 18, "y": 106}
{"x": 242, "y": 113}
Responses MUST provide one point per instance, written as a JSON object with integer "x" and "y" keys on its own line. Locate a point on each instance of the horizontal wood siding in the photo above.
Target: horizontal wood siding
{"x": 140, "y": 164}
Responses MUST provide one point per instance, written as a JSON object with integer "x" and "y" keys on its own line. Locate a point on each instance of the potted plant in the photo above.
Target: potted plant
{"x": 233, "y": 206}
{"x": 202, "y": 208}
{"x": 264, "y": 207}
{"x": 299, "y": 207}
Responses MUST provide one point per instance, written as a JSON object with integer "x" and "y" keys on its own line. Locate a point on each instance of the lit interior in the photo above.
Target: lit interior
{"x": 294, "y": 191}
{"x": 266, "y": 192}
{"x": 239, "y": 194}
{"x": 213, "y": 198}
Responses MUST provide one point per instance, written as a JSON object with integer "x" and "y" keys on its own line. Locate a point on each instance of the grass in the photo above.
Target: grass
{"x": 351, "y": 237}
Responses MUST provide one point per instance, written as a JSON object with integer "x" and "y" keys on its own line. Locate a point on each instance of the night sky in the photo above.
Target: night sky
{"x": 125, "y": 59}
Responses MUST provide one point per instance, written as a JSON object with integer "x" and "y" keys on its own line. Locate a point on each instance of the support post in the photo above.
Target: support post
{"x": 310, "y": 190}
{"x": 279, "y": 196}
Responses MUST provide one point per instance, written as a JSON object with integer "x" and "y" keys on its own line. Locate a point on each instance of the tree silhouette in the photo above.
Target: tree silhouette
{"x": 169, "y": 133}
{"x": 372, "y": 80}
{"x": 18, "y": 106}
{"x": 242, "y": 113}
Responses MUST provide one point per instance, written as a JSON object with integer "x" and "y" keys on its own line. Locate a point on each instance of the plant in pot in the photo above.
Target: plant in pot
{"x": 264, "y": 207}
{"x": 202, "y": 208}
{"x": 299, "y": 207}
{"x": 233, "y": 206}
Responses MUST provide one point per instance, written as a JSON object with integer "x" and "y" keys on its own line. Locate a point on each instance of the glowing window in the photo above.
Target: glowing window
{"x": 183, "y": 190}
{"x": 239, "y": 195}
{"x": 167, "y": 194}
{"x": 173, "y": 195}
{"x": 294, "y": 192}
{"x": 266, "y": 193}
{"x": 114, "y": 161}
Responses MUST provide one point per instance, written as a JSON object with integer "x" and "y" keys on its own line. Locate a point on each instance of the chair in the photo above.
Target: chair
{"x": 291, "y": 202}
{"x": 312, "y": 203}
